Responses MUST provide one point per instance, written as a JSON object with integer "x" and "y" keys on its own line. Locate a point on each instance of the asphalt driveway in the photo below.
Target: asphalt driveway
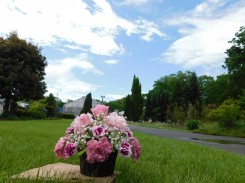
{"x": 232, "y": 144}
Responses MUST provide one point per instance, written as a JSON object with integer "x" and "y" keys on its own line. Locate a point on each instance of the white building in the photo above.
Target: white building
{"x": 76, "y": 106}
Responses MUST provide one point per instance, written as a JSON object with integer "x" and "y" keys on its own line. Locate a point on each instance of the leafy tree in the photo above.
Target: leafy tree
{"x": 51, "y": 106}
{"x": 193, "y": 87}
{"x": 235, "y": 62}
{"x": 21, "y": 71}
{"x": 205, "y": 83}
{"x": 136, "y": 99}
{"x": 128, "y": 107}
{"x": 116, "y": 105}
{"x": 87, "y": 104}
{"x": 219, "y": 90}
{"x": 148, "y": 107}
{"x": 38, "y": 105}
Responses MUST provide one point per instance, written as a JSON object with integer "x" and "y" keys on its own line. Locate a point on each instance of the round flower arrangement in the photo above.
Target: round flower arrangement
{"x": 98, "y": 135}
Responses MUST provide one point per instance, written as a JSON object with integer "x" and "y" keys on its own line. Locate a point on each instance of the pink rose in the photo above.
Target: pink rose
{"x": 98, "y": 131}
{"x": 100, "y": 109}
{"x": 59, "y": 148}
{"x": 136, "y": 148}
{"x": 81, "y": 121}
{"x": 98, "y": 151}
{"x": 125, "y": 149}
{"x": 113, "y": 120}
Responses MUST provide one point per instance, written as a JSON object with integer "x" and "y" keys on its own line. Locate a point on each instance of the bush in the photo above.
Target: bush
{"x": 66, "y": 116}
{"x": 192, "y": 124}
{"x": 226, "y": 114}
{"x": 177, "y": 115}
{"x": 30, "y": 114}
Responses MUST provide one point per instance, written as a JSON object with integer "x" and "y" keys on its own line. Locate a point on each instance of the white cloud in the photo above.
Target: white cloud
{"x": 74, "y": 22}
{"x": 205, "y": 34}
{"x": 148, "y": 29}
{"x": 61, "y": 77}
{"x": 111, "y": 61}
{"x": 134, "y": 2}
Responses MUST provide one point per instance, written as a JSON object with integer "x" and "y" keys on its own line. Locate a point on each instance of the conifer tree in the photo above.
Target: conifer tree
{"x": 87, "y": 104}
{"x": 137, "y": 100}
{"x": 128, "y": 107}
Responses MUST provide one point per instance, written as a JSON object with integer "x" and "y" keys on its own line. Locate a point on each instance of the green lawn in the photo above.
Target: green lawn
{"x": 28, "y": 144}
{"x": 211, "y": 128}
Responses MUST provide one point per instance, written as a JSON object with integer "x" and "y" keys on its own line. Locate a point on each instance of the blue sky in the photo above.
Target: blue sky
{"x": 97, "y": 46}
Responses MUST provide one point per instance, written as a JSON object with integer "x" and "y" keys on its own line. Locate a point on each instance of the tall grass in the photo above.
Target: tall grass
{"x": 29, "y": 144}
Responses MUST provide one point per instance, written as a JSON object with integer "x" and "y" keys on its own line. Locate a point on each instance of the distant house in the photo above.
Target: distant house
{"x": 76, "y": 106}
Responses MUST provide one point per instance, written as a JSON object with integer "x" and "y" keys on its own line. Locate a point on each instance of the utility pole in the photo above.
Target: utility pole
{"x": 102, "y": 97}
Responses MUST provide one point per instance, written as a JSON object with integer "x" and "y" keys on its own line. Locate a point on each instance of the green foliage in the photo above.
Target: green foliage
{"x": 156, "y": 105}
{"x": 192, "y": 124}
{"x": 38, "y": 106}
{"x": 174, "y": 91}
{"x": 219, "y": 90}
{"x": 128, "y": 107}
{"x": 66, "y": 116}
{"x": 51, "y": 106}
{"x": 137, "y": 101}
{"x": 30, "y": 114}
{"x": 242, "y": 100}
{"x": 87, "y": 104}
{"x": 193, "y": 112}
{"x": 226, "y": 114}
{"x": 116, "y": 105}
{"x": 177, "y": 115}
{"x": 214, "y": 128}
{"x": 22, "y": 70}
{"x": 235, "y": 63}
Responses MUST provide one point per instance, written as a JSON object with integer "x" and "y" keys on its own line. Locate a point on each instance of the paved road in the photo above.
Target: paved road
{"x": 236, "y": 145}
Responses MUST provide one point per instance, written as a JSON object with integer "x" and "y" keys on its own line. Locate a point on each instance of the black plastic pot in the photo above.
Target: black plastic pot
{"x": 98, "y": 169}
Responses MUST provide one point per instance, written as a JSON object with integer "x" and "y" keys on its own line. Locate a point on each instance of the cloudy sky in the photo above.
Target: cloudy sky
{"x": 97, "y": 46}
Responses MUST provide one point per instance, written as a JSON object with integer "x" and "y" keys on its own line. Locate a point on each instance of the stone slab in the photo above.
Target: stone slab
{"x": 63, "y": 172}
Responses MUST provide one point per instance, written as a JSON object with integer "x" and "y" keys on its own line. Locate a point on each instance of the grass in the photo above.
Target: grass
{"x": 215, "y": 129}
{"x": 28, "y": 144}
{"x": 159, "y": 125}
{"x": 211, "y": 128}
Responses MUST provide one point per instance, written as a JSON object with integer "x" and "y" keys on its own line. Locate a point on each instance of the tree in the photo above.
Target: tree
{"x": 235, "y": 62}
{"x": 87, "y": 104}
{"x": 128, "y": 107}
{"x": 136, "y": 100}
{"x": 194, "y": 92}
{"x": 205, "y": 83}
{"x": 51, "y": 106}
{"x": 21, "y": 71}
{"x": 116, "y": 105}
{"x": 148, "y": 107}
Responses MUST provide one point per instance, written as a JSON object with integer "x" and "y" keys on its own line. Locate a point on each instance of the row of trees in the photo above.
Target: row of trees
{"x": 181, "y": 96}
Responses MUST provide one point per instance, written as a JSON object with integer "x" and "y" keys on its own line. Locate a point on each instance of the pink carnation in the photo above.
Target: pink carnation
{"x": 136, "y": 148}
{"x": 125, "y": 149}
{"x": 100, "y": 109}
{"x": 59, "y": 148}
{"x": 128, "y": 132}
{"x": 113, "y": 120}
{"x": 98, "y": 131}
{"x": 98, "y": 151}
{"x": 69, "y": 150}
